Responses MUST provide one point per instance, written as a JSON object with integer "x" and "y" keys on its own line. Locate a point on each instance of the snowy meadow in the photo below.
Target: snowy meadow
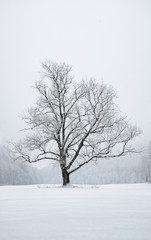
{"x": 75, "y": 111}
{"x": 42, "y": 212}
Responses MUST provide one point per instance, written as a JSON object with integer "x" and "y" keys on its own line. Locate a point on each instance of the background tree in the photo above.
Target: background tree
{"x": 73, "y": 123}
{"x": 147, "y": 163}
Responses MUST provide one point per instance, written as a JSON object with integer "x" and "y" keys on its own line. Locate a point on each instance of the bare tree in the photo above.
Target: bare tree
{"x": 73, "y": 124}
{"x": 147, "y": 163}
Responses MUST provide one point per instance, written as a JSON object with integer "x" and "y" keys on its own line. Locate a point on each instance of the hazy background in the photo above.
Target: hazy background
{"x": 108, "y": 40}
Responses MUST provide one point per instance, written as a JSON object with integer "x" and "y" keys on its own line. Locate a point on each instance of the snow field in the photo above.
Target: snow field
{"x": 108, "y": 212}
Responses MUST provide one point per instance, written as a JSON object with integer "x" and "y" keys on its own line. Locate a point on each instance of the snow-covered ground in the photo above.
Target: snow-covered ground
{"x": 109, "y": 212}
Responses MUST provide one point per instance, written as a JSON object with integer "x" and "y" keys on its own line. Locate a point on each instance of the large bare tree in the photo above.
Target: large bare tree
{"x": 73, "y": 123}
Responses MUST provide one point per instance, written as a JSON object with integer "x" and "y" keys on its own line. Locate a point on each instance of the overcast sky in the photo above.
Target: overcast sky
{"x": 108, "y": 40}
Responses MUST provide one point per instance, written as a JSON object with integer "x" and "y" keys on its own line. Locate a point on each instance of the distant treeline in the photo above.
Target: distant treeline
{"x": 129, "y": 169}
{"x": 16, "y": 172}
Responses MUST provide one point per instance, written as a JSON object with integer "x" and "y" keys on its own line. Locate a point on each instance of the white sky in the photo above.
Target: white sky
{"x": 108, "y": 40}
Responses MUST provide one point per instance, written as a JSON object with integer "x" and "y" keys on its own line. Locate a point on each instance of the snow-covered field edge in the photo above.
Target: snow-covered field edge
{"x": 53, "y": 212}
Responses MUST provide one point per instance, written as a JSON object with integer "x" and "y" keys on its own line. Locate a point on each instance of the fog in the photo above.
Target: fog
{"x": 130, "y": 169}
{"x": 107, "y": 40}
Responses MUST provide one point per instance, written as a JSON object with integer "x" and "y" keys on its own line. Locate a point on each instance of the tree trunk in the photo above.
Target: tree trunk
{"x": 65, "y": 176}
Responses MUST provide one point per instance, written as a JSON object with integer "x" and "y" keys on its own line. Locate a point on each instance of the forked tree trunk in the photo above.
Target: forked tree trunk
{"x": 65, "y": 177}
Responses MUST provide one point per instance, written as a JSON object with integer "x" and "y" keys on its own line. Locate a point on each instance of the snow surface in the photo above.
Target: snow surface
{"x": 109, "y": 212}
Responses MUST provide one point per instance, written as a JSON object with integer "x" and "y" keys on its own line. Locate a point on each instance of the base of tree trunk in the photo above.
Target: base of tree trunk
{"x": 65, "y": 176}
